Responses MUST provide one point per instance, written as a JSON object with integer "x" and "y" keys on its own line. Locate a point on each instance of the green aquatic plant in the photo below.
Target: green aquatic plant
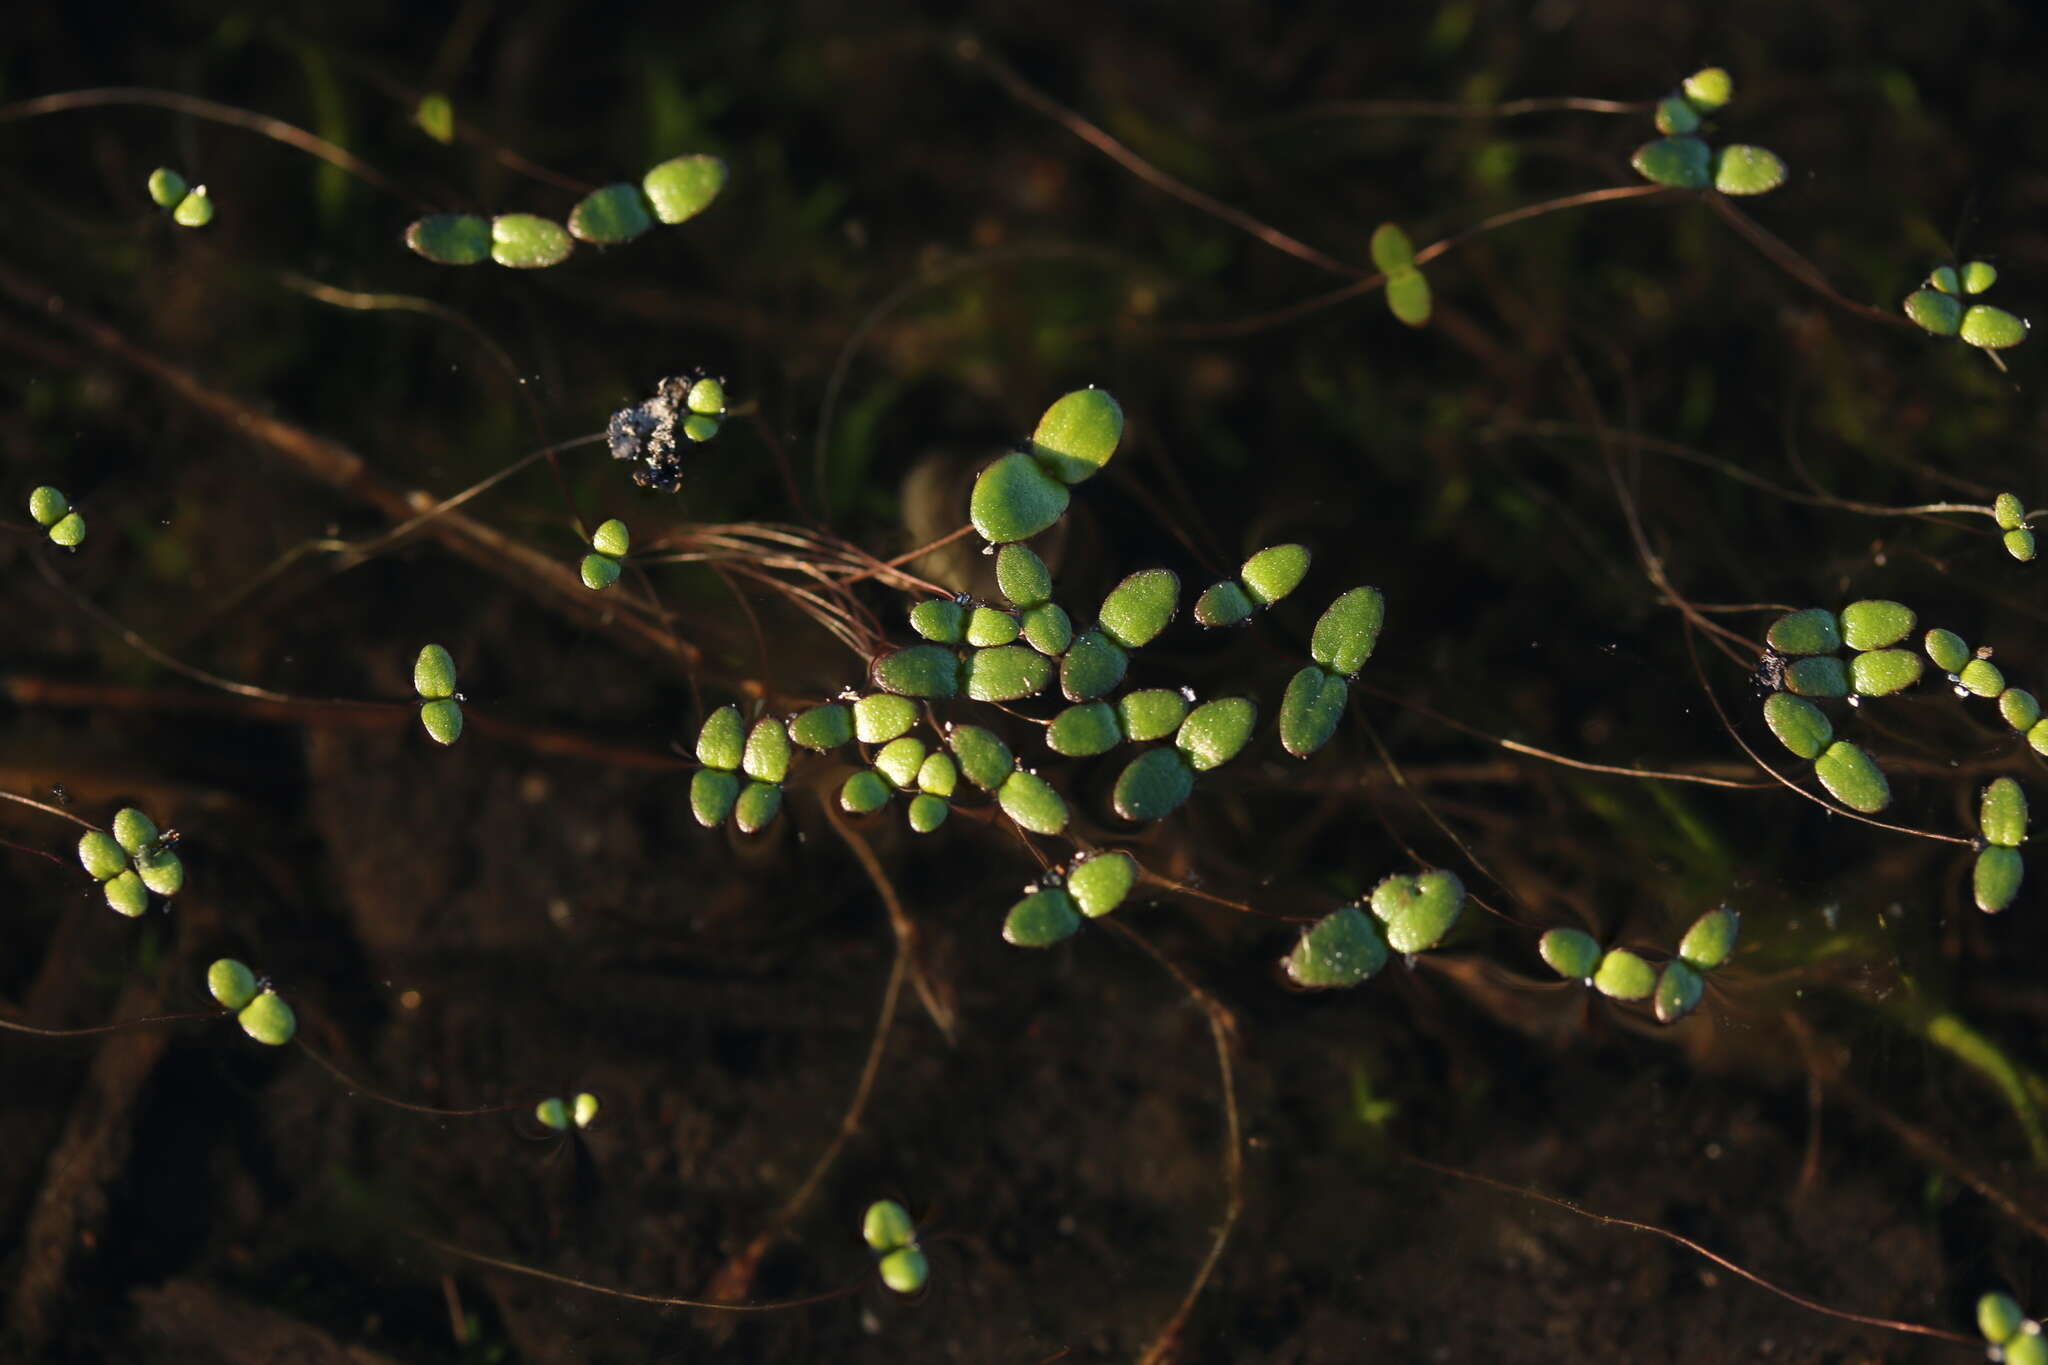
{"x": 433, "y": 678}
{"x": 1938, "y": 307}
{"x": 1682, "y": 159}
{"x": 673, "y": 192}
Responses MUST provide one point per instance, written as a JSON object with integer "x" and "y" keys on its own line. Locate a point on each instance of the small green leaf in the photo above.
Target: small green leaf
{"x": 161, "y": 870}
{"x": 2020, "y": 544}
{"x": 1740, "y": 170}
{"x": 1047, "y": 629}
{"x": 938, "y": 776}
{"x": 1138, "y": 608}
{"x": 713, "y": 792}
{"x": 612, "y": 538}
{"x": 684, "y": 186}
{"x": 2002, "y": 813}
{"x": 1851, "y": 778}
{"x": 1995, "y": 881}
{"x": 1708, "y": 89}
{"x": 126, "y": 894}
{"x": 1151, "y": 714}
{"x": 1978, "y": 276}
{"x": 1981, "y": 678}
{"x": 231, "y": 983}
{"x": 1014, "y": 499}
{"x": 1010, "y": 673}
{"x": 2037, "y": 737}
{"x": 450, "y": 238}
{"x": 1679, "y": 988}
{"x": 1711, "y": 939}
{"x": 984, "y": 759}
{"x": 608, "y": 216}
{"x": 927, "y": 813}
{"x": 905, "y": 1270}
{"x": 1084, "y": 730}
{"x": 195, "y": 210}
{"x": 1391, "y": 249}
{"x": 706, "y": 398}
{"x": 757, "y": 807}
{"x": 1934, "y": 312}
{"x": 598, "y": 572}
{"x": 1993, "y": 329}
{"x": 167, "y": 187}
{"x": 433, "y": 673}
{"x": 864, "y": 793}
{"x": 1041, "y": 919}
{"x": 1346, "y": 634}
{"x": 435, "y": 117}
{"x": 100, "y": 856}
{"x": 1092, "y": 667}
{"x": 47, "y": 506}
{"x": 1820, "y": 676}
{"x": 69, "y": 531}
{"x": 523, "y": 241}
{"x": 268, "y": 1020}
{"x": 1274, "y": 572}
{"x": 1216, "y": 732}
{"x": 134, "y": 831}
{"x": 1943, "y": 278}
{"x": 1813, "y": 631}
{"x": 1681, "y": 163}
{"x": 699, "y": 428}
{"x": 941, "y": 620}
{"x": 1999, "y": 1318}
{"x": 1223, "y": 604}
{"x": 1418, "y": 911}
{"x": 722, "y": 742}
{"x": 886, "y": 1226}
{"x": 880, "y": 717}
{"x": 919, "y": 671}
{"x": 1948, "y": 651}
{"x": 1676, "y": 117}
{"x": 1882, "y": 672}
{"x": 1311, "y": 709}
{"x": 2028, "y": 1348}
{"x": 552, "y": 1113}
{"x": 1022, "y": 577}
{"x": 1099, "y": 882}
{"x": 1622, "y": 975}
{"x": 900, "y": 760}
{"x": 1799, "y": 725}
{"x": 1153, "y": 785}
{"x": 1571, "y": 953}
{"x": 823, "y": 728}
{"x": 1077, "y": 436}
{"x": 1876, "y": 623}
{"x": 1408, "y": 297}
{"x": 988, "y": 628}
{"x": 1341, "y": 949}
{"x": 767, "y": 754}
{"x": 1030, "y": 800}
{"x": 2019, "y": 708}
{"x": 442, "y": 720}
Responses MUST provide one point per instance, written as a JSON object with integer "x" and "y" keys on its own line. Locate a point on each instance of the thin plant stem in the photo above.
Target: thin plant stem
{"x": 610, "y": 1291}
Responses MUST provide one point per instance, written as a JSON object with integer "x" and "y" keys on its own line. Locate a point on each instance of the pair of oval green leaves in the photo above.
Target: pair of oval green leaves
{"x": 1262, "y": 580}
{"x": 1094, "y": 885}
{"x": 558, "y": 1114}
{"x": 609, "y": 544}
{"x": 1344, "y": 638}
{"x": 106, "y": 859}
{"x": 728, "y": 749}
{"x": 2002, "y": 819}
{"x": 1025, "y": 491}
{"x": 1155, "y": 783}
{"x": 190, "y": 205}
{"x": 1684, "y": 161}
{"x": 890, "y": 1234}
{"x": 262, "y": 1014}
{"x": 1408, "y": 295}
{"x": 1623, "y": 975}
{"x": 433, "y": 678}
{"x": 1936, "y": 308}
{"x": 1411, "y": 914}
{"x": 2014, "y": 1337}
{"x": 673, "y": 192}
{"x": 51, "y": 510}
{"x": 2011, "y": 515}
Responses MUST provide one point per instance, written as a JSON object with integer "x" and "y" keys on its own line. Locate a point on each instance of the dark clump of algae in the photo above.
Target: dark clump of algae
{"x": 1614, "y": 422}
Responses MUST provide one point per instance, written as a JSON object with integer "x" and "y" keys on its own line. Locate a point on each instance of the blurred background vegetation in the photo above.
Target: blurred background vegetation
{"x": 907, "y": 265}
